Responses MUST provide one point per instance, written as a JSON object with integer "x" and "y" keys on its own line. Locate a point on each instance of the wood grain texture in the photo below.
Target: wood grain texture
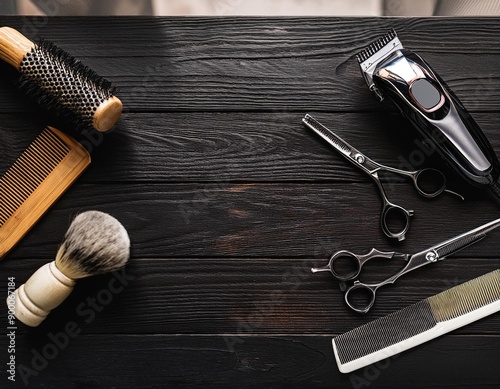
{"x": 239, "y": 147}
{"x": 242, "y": 64}
{"x": 250, "y": 220}
{"x": 127, "y": 361}
{"x": 241, "y": 297}
{"x": 229, "y": 200}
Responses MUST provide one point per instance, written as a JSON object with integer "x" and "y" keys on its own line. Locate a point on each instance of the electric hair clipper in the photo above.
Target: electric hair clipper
{"x": 426, "y": 101}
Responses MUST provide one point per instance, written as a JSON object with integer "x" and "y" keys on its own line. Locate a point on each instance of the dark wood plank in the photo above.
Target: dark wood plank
{"x": 240, "y": 297}
{"x": 272, "y": 362}
{"x": 203, "y": 64}
{"x": 259, "y": 220}
{"x": 240, "y": 147}
{"x": 178, "y": 36}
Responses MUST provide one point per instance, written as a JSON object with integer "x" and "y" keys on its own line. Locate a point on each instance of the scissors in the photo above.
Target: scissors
{"x": 414, "y": 261}
{"x": 428, "y": 182}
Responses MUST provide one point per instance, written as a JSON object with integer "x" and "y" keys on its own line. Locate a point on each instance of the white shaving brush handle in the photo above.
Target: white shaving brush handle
{"x": 46, "y": 289}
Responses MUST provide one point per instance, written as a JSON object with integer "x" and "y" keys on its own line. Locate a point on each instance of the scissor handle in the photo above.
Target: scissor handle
{"x": 429, "y": 182}
{"x": 360, "y": 297}
{"x": 391, "y": 212}
{"x": 345, "y": 265}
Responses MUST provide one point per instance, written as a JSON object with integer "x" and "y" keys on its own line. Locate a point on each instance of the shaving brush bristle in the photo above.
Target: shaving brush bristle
{"x": 95, "y": 243}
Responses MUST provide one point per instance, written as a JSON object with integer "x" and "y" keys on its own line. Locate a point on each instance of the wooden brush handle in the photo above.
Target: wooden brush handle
{"x": 13, "y": 46}
{"x": 107, "y": 114}
{"x": 46, "y": 289}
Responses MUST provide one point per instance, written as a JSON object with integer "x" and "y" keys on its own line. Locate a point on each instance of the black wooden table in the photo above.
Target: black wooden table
{"x": 229, "y": 200}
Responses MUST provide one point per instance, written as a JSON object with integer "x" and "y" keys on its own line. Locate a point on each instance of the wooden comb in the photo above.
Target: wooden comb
{"x": 45, "y": 170}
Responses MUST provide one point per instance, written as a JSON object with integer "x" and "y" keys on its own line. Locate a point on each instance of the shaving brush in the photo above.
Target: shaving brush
{"x": 95, "y": 243}
{"x": 59, "y": 83}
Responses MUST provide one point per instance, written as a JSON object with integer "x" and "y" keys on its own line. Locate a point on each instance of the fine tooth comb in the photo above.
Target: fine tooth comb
{"x": 418, "y": 323}
{"x": 45, "y": 170}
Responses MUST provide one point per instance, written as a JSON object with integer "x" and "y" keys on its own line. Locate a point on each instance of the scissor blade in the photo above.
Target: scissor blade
{"x": 459, "y": 244}
{"x": 328, "y": 135}
{"x": 454, "y": 245}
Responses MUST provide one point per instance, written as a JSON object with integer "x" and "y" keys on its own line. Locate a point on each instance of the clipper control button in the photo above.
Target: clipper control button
{"x": 425, "y": 94}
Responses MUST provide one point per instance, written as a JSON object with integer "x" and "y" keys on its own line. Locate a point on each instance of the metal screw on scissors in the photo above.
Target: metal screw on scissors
{"x": 390, "y": 211}
{"x": 413, "y": 261}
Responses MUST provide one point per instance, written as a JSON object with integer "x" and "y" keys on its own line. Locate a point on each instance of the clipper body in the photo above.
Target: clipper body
{"x": 427, "y": 102}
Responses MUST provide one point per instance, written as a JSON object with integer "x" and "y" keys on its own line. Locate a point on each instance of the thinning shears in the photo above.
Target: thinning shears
{"x": 337, "y": 265}
{"x": 428, "y": 182}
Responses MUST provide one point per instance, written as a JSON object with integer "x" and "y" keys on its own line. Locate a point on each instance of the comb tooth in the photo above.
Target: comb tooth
{"x": 418, "y": 323}
{"x": 386, "y": 331}
{"x": 465, "y": 298}
{"x": 29, "y": 171}
{"x": 48, "y": 139}
{"x": 50, "y": 159}
{"x": 14, "y": 184}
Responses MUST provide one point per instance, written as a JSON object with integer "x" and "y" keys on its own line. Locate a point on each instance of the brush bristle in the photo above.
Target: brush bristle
{"x": 95, "y": 243}
{"x": 63, "y": 86}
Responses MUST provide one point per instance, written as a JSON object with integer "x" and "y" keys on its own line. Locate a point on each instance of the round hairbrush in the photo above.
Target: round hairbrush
{"x": 95, "y": 243}
{"x": 59, "y": 83}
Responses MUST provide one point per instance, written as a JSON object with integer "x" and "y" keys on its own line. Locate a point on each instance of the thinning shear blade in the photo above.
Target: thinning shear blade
{"x": 342, "y": 146}
{"x": 458, "y": 243}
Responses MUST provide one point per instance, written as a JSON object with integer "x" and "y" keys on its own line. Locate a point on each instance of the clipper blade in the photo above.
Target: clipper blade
{"x": 370, "y": 57}
{"x": 376, "y": 46}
